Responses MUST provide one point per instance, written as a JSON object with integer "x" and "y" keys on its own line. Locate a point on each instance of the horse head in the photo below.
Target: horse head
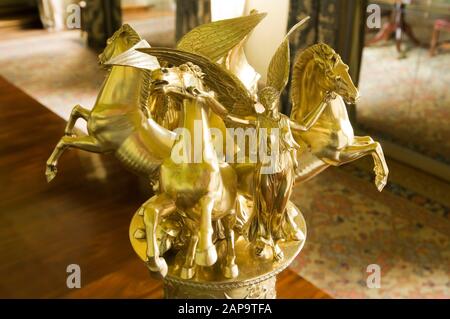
{"x": 122, "y": 40}
{"x": 332, "y": 73}
{"x": 184, "y": 81}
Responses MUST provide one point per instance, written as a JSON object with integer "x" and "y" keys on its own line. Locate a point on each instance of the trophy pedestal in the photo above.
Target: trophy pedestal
{"x": 259, "y": 288}
{"x": 256, "y": 279}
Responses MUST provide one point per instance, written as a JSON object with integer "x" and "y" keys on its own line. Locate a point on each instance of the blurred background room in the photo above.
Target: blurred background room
{"x": 401, "y": 63}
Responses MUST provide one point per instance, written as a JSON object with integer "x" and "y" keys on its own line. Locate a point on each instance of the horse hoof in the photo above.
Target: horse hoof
{"x": 187, "y": 273}
{"x": 261, "y": 249}
{"x": 207, "y": 257}
{"x": 230, "y": 271}
{"x": 50, "y": 172}
{"x": 278, "y": 254}
{"x": 157, "y": 265}
{"x": 380, "y": 182}
{"x": 298, "y": 236}
{"x": 259, "y": 252}
{"x": 139, "y": 233}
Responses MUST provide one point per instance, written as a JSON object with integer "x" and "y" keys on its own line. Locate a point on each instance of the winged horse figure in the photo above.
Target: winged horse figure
{"x": 122, "y": 122}
{"x": 119, "y": 123}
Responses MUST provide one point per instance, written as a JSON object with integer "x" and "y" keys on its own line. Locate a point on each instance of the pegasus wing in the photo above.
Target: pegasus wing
{"x": 216, "y": 39}
{"x": 229, "y": 89}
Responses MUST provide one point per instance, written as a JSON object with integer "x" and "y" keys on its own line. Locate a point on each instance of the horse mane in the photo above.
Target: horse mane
{"x": 132, "y": 36}
{"x": 323, "y": 55}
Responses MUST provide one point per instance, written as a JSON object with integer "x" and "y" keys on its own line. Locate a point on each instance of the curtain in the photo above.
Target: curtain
{"x": 53, "y": 13}
{"x": 191, "y": 13}
{"x": 100, "y": 19}
{"x": 338, "y": 23}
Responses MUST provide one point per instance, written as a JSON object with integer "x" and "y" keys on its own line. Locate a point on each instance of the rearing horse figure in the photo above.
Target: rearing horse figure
{"x": 119, "y": 121}
{"x": 328, "y": 138}
{"x": 193, "y": 182}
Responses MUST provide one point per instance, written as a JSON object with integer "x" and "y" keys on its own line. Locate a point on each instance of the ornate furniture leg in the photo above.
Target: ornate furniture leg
{"x": 439, "y": 25}
{"x": 397, "y": 25}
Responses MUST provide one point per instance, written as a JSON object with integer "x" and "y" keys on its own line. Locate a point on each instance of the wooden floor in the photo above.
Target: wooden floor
{"x": 82, "y": 217}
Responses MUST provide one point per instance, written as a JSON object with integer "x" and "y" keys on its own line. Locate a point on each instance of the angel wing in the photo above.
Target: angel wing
{"x": 231, "y": 93}
{"x": 279, "y": 67}
{"x": 215, "y": 40}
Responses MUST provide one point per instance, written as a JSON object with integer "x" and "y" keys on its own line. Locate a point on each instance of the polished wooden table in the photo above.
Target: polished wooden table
{"x": 82, "y": 217}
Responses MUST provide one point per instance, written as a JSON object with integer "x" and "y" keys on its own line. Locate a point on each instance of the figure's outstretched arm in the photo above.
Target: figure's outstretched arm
{"x": 311, "y": 118}
{"x": 210, "y": 99}
{"x": 297, "y": 127}
{"x": 215, "y": 105}
{"x": 222, "y": 111}
{"x": 291, "y": 128}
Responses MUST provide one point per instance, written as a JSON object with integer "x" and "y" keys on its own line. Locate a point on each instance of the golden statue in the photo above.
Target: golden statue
{"x": 189, "y": 120}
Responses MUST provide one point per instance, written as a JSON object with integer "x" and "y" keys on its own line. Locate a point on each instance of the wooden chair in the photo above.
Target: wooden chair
{"x": 397, "y": 26}
{"x": 439, "y": 25}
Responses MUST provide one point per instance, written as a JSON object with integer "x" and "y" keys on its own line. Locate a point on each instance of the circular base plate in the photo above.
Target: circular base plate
{"x": 253, "y": 270}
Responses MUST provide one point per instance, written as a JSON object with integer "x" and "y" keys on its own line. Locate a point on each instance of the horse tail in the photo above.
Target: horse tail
{"x": 138, "y": 160}
{"x": 309, "y": 166}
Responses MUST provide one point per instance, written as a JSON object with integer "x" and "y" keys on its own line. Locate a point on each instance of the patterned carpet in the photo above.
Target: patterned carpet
{"x": 407, "y": 100}
{"x": 405, "y": 229}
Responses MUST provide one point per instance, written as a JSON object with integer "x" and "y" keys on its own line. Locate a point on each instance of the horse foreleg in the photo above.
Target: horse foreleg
{"x": 86, "y": 143}
{"x": 153, "y": 210}
{"x": 188, "y": 269}
{"x": 381, "y": 168}
{"x": 206, "y": 254}
{"x": 364, "y": 146}
{"x": 77, "y": 112}
{"x": 230, "y": 269}
{"x": 293, "y": 231}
